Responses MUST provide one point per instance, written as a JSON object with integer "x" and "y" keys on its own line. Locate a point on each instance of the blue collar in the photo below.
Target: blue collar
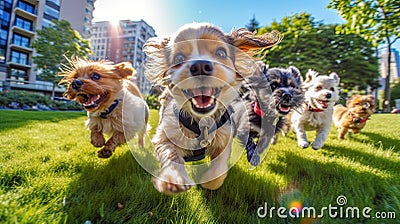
{"x": 109, "y": 110}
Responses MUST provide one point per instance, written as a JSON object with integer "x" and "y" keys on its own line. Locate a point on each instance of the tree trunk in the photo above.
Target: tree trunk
{"x": 53, "y": 91}
{"x": 386, "y": 101}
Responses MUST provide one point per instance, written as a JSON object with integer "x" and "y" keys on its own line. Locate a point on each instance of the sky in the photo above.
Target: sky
{"x": 166, "y": 16}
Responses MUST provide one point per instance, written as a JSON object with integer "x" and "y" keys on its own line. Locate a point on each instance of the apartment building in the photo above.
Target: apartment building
{"x": 122, "y": 42}
{"x": 19, "y": 21}
{"x": 80, "y": 14}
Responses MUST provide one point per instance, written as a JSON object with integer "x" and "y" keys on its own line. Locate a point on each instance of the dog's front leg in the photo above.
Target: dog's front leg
{"x": 116, "y": 139}
{"x": 96, "y": 137}
{"x": 215, "y": 176}
{"x": 172, "y": 178}
{"x": 322, "y": 134}
{"x": 342, "y": 132}
{"x": 301, "y": 135}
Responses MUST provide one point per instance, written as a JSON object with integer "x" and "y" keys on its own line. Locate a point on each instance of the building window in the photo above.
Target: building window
{"x": 23, "y": 23}
{"x": 21, "y": 40}
{"x": 2, "y": 55}
{"x": 51, "y": 12}
{"x": 3, "y": 37}
{"x": 5, "y": 18}
{"x": 19, "y": 74}
{"x": 56, "y": 2}
{"x": 19, "y": 57}
{"x": 26, "y": 6}
{"x": 46, "y": 23}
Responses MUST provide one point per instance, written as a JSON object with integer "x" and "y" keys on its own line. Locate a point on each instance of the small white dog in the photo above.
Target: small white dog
{"x": 321, "y": 93}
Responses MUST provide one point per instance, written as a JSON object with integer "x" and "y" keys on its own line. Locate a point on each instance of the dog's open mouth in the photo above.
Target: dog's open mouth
{"x": 90, "y": 101}
{"x": 323, "y": 103}
{"x": 203, "y": 99}
{"x": 283, "y": 109}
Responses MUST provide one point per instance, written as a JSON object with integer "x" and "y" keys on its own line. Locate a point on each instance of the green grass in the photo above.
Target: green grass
{"x": 49, "y": 173}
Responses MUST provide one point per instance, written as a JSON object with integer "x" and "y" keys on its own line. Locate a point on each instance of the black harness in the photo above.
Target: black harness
{"x": 194, "y": 126}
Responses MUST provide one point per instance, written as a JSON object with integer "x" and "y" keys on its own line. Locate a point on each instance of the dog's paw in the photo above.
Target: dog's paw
{"x": 303, "y": 144}
{"x": 212, "y": 184}
{"x": 105, "y": 152}
{"x": 97, "y": 140}
{"x": 317, "y": 145}
{"x": 171, "y": 182}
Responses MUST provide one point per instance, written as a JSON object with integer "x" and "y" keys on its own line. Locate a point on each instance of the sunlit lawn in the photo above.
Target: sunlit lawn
{"x": 49, "y": 173}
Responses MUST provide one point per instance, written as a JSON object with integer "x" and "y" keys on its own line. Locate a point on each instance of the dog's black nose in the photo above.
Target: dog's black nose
{"x": 287, "y": 96}
{"x": 76, "y": 84}
{"x": 201, "y": 67}
{"x": 328, "y": 96}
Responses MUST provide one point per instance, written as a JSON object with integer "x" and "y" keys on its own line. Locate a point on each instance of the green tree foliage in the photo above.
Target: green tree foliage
{"x": 53, "y": 46}
{"x": 308, "y": 44}
{"x": 253, "y": 24}
{"x": 375, "y": 20}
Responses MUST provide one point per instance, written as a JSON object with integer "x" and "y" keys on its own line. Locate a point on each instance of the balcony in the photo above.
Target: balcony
{"x": 21, "y": 48}
{"x": 23, "y": 31}
{"x": 25, "y": 14}
{"x": 15, "y": 62}
{"x": 41, "y": 86}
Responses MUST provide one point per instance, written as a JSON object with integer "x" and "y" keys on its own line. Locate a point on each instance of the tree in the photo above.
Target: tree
{"x": 253, "y": 25}
{"x": 310, "y": 44}
{"x": 375, "y": 20}
{"x": 53, "y": 46}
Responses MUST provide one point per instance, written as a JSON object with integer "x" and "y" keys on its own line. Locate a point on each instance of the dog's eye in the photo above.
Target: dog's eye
{"x": 179, "y": 58}
{"x": 95, "y": 76}
{"x": 318, "y": 88}
{"x": 332, "y": 89}
{"x": 221, "y": 53}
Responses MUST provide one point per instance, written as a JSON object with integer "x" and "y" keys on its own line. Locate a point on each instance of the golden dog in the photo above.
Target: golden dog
{"x": 200, "y": 66}
{"x": 353, "y": 117}
{"x": 113, "y": 103}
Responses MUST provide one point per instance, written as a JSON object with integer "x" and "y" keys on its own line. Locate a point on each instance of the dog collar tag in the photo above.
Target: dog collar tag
{"x": 205, "y": 124}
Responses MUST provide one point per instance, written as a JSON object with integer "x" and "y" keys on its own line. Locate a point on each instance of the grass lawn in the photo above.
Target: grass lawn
{"x": 50, "y": 173}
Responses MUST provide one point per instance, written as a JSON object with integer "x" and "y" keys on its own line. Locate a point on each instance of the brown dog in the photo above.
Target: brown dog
{"x": 353, "y": 117}
{"x": 113, "y": 103}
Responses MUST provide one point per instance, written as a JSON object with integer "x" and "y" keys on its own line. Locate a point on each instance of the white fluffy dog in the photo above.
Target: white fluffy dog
{"x": 321, "y": 93}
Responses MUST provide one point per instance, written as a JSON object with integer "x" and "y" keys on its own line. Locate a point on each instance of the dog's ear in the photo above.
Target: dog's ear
{"x": 351, "y": 98}
{"x": 248, "y": 41}
{"x": 335, "y": 76}
{"x": 296, "y": 74}
{"x": 124, "y": 70}
{"x": 371, "y": 99}
{"x": 310, "y": 75}
{"x": 156, "y": 63}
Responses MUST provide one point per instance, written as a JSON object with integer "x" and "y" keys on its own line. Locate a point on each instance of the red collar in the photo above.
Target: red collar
{"x": 309, "y": 108}
{"x": 358, "y": 120}
{"x": 257, "y": 109}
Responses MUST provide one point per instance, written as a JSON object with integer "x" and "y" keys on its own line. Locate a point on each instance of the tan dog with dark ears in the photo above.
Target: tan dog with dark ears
{"x": 113, "y": 102}
{"x": 355, "y": 115}
{"x": 201, "y": 68}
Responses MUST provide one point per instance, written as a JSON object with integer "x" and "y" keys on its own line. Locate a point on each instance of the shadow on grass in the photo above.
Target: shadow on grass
{"x": 11, "y": 119}
{"x": 100, "y": 187}
{"x": 322, "y": 182}
{"x": 378, "y": 139}
{"x": 365, "y": 158}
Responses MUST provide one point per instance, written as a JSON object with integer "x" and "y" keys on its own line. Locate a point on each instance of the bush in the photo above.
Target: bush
{"x": 24, "y": 100}
{"x": 152, "y": 101}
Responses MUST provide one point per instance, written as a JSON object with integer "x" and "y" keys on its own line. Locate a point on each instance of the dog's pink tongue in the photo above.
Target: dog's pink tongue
{"x": 323, "y": 103}
{"x": 202, "y": 96}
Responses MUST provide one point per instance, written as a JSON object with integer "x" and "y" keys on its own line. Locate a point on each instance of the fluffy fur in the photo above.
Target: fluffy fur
{"x": 199, "y": 66}
{"x": 321, "y": 93}
{"x": 354, "y": 116}
{"x": 113, "y": 102}
{"x": 279, "y": 89}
